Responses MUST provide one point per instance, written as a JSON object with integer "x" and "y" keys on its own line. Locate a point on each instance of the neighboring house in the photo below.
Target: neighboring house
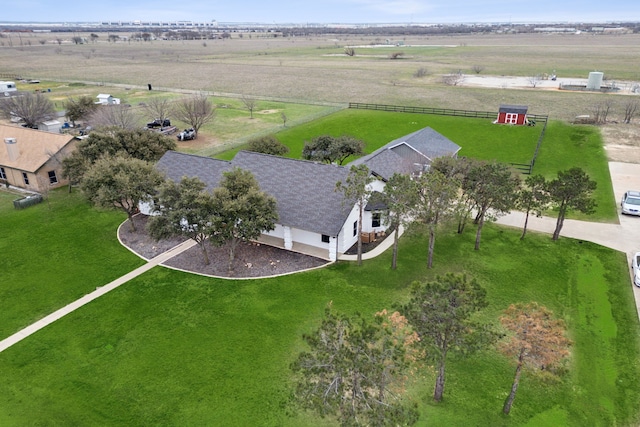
{"x": 32, "y": 159}
{"x": 512, "y": 114}
{"x": 313, "y": 217}
{"x": 106, "y": 99}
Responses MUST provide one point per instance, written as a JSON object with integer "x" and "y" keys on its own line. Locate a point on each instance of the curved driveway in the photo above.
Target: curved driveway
{"x": 624, "y": 237}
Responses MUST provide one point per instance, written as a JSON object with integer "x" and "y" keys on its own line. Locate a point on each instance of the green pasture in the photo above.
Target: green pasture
{"x": 171, "y": 348}
{"x": 564, "y": 145}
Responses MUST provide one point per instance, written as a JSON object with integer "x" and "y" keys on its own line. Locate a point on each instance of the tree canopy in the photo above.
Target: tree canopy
{"x": 196, "y": 111}
{"x": 536, "y": 340}
{"x": 441, "y": 313}
{"x": 353, "y": 371}
{"x": 242, "y": 211}
{"x": 329, "y": 149}
{"x": 571, "y": 190}
{"x": 183, "y": 209}
{"x": 79, "y": 108}
{"x": 121, "y": 182}
{"x": 267, "y": 145}
{"x": 31, "y": 108}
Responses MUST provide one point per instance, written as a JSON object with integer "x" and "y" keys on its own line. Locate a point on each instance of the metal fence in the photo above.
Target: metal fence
{"x": 524, "y": 168}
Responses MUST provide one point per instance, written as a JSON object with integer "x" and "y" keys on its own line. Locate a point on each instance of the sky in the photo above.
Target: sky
{"x": 322, "y": 11}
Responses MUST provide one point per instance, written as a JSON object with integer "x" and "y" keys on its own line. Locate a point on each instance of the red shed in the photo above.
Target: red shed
{"x": 513, "y": 114}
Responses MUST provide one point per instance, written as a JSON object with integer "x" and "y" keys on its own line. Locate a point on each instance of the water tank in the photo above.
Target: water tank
{"x": 595, "y": 80}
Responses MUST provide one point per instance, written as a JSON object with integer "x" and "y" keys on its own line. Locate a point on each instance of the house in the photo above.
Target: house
{"x": 314, "y": 218}
{"x": 512, "y": 114}
{"x": 410, "y": 154}
{"x": 106, "y": 99}
{"x": 32, "y": 159}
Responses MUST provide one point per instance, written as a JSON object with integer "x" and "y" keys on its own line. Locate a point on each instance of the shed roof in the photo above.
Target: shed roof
{"x": 514, "y": 109}
{"x": 35, "y": 147}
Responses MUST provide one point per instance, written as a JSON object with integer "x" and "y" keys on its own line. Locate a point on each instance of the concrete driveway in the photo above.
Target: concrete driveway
{"x": 624, "y": 237}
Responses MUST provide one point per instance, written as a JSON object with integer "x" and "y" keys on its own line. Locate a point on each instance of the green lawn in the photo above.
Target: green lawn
{"x": 170, "y": 348}
{"x": 564, "y": 146}
{"x": 54, "y": 253}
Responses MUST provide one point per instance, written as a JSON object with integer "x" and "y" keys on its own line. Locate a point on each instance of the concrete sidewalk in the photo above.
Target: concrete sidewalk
{"x": 35, "y": 327}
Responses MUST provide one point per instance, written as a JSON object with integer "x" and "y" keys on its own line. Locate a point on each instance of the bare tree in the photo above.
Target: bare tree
{"x": 31, "y": 108}
{"x": 196, "y": 111}
{"x": 250, "y": 104}
{"x": 420, "y": 72}
{"x": 601, "y": 110}
{"x": 396, "y": 55}
{"x": 283, "y": 116}
{"x": 477, "y": 69}
{"x": 630, "y": 108}
{"x": 534, "y": 80}
{"x": 453, "y": 79}
{"x": 118, "y": 115}
{"x": 159, "y": 109}
{"x": 349, "y": 51}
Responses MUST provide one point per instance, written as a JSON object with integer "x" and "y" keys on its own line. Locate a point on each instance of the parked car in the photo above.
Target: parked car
{"x": 187, "y": 135}
{"x": 157, "y": 123}
{"x": 631, "y": 203}
{"x": 636, "y": 269}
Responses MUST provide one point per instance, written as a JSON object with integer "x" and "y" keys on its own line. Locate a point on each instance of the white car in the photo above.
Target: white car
{"x": 636, "y": 269}
{"x": 631, "y": 203}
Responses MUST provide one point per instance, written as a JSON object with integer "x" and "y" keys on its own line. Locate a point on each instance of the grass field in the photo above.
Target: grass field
{"x": 170, "y": 348}
{"x": 564, "y": 146}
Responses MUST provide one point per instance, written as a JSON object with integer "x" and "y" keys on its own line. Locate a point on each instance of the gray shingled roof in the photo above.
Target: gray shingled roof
{"x": 401, "y": 154}
{"x": 304, "y": 191}
{"x": 514, "y": 109}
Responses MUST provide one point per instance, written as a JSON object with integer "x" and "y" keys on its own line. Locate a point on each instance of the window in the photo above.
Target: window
{"x": 3, "y": 174}
{"x": 511, "y": 118}
{"x": 355, "y": 228}
{"x": 376, "y": 218}
{"x": 53, "y": 179}
{"x": 25, "y": 178}
{"x": 325, "y": 238}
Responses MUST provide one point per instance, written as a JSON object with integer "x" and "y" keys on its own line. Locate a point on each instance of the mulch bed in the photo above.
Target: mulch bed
{"x": 251, "y": 259}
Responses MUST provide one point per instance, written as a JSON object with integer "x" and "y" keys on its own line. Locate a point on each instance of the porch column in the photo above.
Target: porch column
{"x": 288, "y": 241}
{"x": 333, "y": 249}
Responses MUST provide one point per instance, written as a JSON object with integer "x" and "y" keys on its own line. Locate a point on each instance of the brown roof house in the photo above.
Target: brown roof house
{"x": 32, "y": 159}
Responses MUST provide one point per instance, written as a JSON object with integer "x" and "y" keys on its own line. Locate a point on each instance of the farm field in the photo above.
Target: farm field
{"x": 171, "y": 348}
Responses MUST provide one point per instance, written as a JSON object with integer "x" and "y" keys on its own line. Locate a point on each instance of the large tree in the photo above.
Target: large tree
{"x": 267, "y": 145}
{"x": 571, "y": 190}
{"x": 243, "y": 211}
{"x": 532, "y": 198}
{"x": 117, "y": 115}
{"x": 437, "y": 194}
{"x": 139, "y": 144}
{"x": 441, "y": 312}
{"x": 400, "y": 197}
{"x": 493, "y": 188}
{"x": 353, "y": 371}
{"x": 31, "y": 108}
{"x": 329, "y": 149}
{"x": 537, "y": 340}
{"x": 195, "y": 110}
{"x": 183, "y": 209}
{"x": 356, "y": 189}
{"x": 79, "y": 108}
{"x": 121, "y": 182}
